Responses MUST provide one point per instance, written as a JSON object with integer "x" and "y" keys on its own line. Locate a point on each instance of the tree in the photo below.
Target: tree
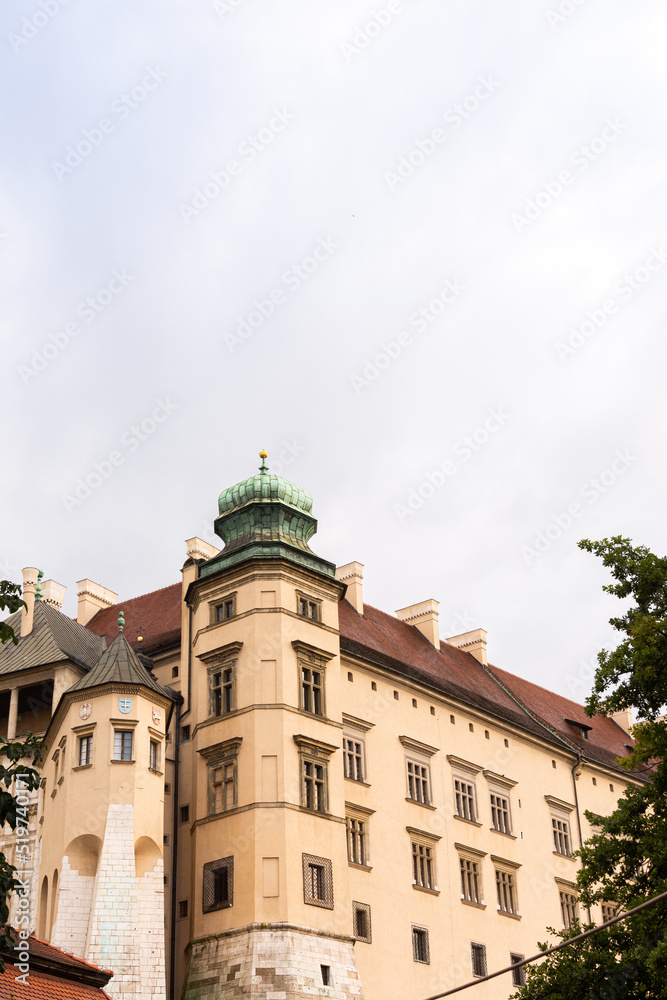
{"x": 625, "y": 862}
{"x": 17, "y": 778}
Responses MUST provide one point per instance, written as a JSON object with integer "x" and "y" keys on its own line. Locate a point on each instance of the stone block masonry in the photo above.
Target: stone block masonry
{"x": 272, "y": 962}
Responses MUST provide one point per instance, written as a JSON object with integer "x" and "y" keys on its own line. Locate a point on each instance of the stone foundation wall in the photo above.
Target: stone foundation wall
{"x": 70, "y": 930}
{"x": 275, "y": 962}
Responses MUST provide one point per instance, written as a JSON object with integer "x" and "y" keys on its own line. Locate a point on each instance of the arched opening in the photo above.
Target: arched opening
{"x": 83, "y": 854}
{"x": 146, "y": 856}
{"x": 54, "y": 902}
{"x": 43, "y": 903}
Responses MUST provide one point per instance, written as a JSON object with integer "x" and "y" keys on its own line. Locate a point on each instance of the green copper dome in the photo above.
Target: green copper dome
{"x": 265, "y": 516}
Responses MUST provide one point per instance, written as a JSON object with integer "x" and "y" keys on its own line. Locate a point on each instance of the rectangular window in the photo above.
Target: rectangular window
{"x": 561, "y": 832}
{"x": 568, "y": 908}
{"x": 312, "y": 691}
{"x": 471, "y": 885}
{"x": 420, "y": 951}
{"x": 464, "y": 798}
{"x": 225, "y": 610}
{"x": 221, "y": 687}
{"x": 478, "y": 959}
{"x": 317, "y": 881}
{"x": 418, "y": 782}
{"x": 500, "y": 813}
{"x": 357, "y": 841}
{"x": 361, "y": 922}
{"x": 183, "y": 909}
{"x": 308, "y": 609}
{"x": 313, "y": 785}
{"x": 518, "y": 975}
{"x": 353, "y": 758}
{"x": 422, "y": 866}
{"x": 506, "y": 892}
{"x": 223, "y": 786}
{"x": 122, "y": 744}
{"x": 326, "y": 975}
{"x": 609, "y": 911}
{"x": 85, "y": 750}
{"x": 185, "y": 734}
{"x": 218, "y": 889}
{"x": 185, "y": 814}
{"x": 154, "y": 756}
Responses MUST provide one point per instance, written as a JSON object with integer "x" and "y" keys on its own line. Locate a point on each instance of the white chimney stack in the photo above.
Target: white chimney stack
{"x": 472, "y": 642}
{"x": 197, "y": 549}
{"x": 351, "y": 575}
{"x": 27, "y": 614}
{"x": 423, "y": 616}
{"x": 623, "y": 719}
{"x": 53, "y": 593}
{"x": 92, "y": 598}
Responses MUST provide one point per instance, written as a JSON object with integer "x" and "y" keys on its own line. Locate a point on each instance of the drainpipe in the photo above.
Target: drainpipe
{"x": 576, "y": 766}
{"x": 174, "y": 850}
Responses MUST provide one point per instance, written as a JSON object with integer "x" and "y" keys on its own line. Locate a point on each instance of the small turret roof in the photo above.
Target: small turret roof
{"x": 119, "y": 664}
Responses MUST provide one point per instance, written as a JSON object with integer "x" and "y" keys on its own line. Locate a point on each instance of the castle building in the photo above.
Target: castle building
{"x": 257, "y": 785}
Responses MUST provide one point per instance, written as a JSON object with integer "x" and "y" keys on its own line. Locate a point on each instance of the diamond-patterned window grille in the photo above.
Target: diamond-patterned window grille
{"x": 317, "y": 881}
{"x": 361, "y": 926}
{"x": 218, "y": 891}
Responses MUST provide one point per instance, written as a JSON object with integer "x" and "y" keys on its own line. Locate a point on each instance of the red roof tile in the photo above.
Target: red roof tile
{"x": 49, "y": 952}
{"x": 155, "y": 616}
{"x": 42, "y": 986}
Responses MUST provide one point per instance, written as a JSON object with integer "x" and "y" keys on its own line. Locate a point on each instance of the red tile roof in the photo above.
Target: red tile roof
{"x": 53, "y": 975}
{"x": 155, "y": 616}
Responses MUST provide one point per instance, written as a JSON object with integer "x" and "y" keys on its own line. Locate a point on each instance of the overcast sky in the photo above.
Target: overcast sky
{"x": 416, "y": 250}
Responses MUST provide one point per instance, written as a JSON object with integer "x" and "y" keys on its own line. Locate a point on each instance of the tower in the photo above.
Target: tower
{"x": 101, "y": 871}
{"x": 266, "y": 840}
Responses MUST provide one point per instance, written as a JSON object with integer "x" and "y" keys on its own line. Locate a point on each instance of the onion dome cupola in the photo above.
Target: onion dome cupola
{"x": 265, "y": 516}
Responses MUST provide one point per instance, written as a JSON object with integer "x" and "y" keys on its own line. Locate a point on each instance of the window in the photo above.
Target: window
{"x": 225, "y": 610}
{"x": 222, "y": 780}
{"x": 609, "y": 911}
{"x": 420, "y": 951}
{"x": 326, "y": 975}
{"x": 561, "y": 832}
{"x": 218, "y": 889}
{"x": 185, "y": 734}
{"x": 222, "y": 775}
{"x": 361, "y": 922}
{"x": 183, "y": 909}
{"x": 313, "y": 785}
{"x": 85, "y": 750}
{"x": 506, "y": 891}
{"x": 185, "y": 814}
{"x": 471, "y": 882}
{"x": 154, "y": 755}
{"x": 353, "y": 758}
{"x": 317, "y": 881}
{"x": 122, "y": 744}
{"x": 500, "y": 813}
{"x": 478, "y": 959}
{"x": 308, "y": 608}
{"x": 174, "y": 671}
{"x": 418, "y": 782}
{"x": 422, "y": 866}
{"x": 464, "y": 798}
{"x": 568, "y": 908}
{"x": 312, "y": 691}
{"x": 414, "y": 702}
{"x": 518, "y": 975}
{"x": 221, "y": 685}
{"x": 357, "y": 841}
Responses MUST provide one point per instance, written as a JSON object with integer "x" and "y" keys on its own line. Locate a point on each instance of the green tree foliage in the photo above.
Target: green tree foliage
{"x": 625, "y": 862}
{"x": 10, "y": 600}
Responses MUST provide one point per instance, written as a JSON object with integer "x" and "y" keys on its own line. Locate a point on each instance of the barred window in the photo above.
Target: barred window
{"x": 85, "y": 750}
{"x": 353, "y": 758}
{"x": 471, "y": 887}
{"x": 313, "y": 785}
{"x": 506, "y": 891}
{"x": 182, "y": 909}
{"x": 568, "y": 908}
{"x": 500, "y": 813}
{"x": 561, "y": 832}
{"x": 317, "y": 881}
{"x": 312, "y": 691}
{"x": 422, "y": 866}
{"x": 357, "y": 841}
{"x": 361, "y": 922}
{"x": 518, "y": 975}
{"x": 418, "y": 782}
{"x": 122, "y": 744}
{"x": 218, "y": 891}
{"x": 420, "y": 951}
{"x": 478, "y": 959}
{"x": 464, "y": 796}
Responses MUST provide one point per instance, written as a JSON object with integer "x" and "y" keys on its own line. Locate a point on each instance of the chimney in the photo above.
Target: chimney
{"x": 53, "y": 593}
{"x": 92, "y": 598}
{"x": 198, "y": 549}
{"x": 472, "y": 642}
{"x": 30, "y": 574}
{"x": 623, "y": 719}
{"x": 351, "y": 575}
{"x": 425, "y": 617}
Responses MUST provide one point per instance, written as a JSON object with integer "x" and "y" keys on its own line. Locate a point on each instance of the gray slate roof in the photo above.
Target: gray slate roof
{"x": 54, "y": 638}
{"x": 119, "y": 664}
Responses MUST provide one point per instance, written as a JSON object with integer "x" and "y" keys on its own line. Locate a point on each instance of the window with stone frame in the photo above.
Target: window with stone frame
{"x": 224, "y": 609}
{"x": 478, "y": 959}
{"x": 221, "y": 678}
{"x": 470, "y": 871}
{"x": 85, "y": 750}
{"x": 418, "y": 770}
{"x": 361, "y": 922}
{"x": 354, "y": 748}
{"x": 420, "y": 949}
{"x": 569, "y": 907}
{"x": 218, "y": 885}
{"x": 222, "y": 775}
{"x": 464, "y": 776}
{"x": 123, "y": 744}
{"x": 422, "y": 846}
{"x": 317, "y": 881}
{"x": 311, "y": 666}
{"x": 154, "y": 755}
{"x": 313, "y": 772}
{"x": 609, "y": 911}
{"x": 518, "y": 974}
{"x": 507, "y": 900}
{"x": 500, "y": 788}
{"x": 560, "y": 825}
{"x": 358, "y": 840}
{"x": 308, "y": 607}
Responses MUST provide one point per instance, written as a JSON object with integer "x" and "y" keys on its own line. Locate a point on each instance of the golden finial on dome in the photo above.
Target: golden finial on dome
{"x": 263, "y": 455}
